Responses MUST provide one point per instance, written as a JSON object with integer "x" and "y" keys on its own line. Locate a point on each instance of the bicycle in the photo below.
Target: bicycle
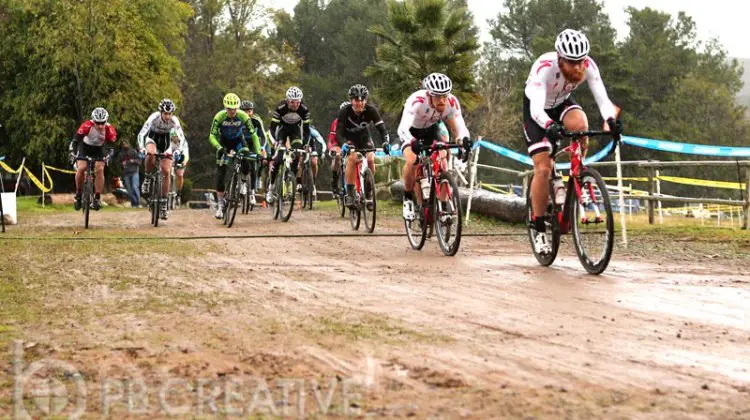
{"x": 307, "y": 193}
{"x": 232, "y": 195}
{"x": 155, "y": 196}
{"x": 585, "y": 197}
{"x": 341, "y": 193}
{"x": 248, "y": 200}
{"x": 173, "y": 199}
{"x": 442, "y": 216}
{"x": 364, "y": 183}
{"x": 285, "y": 187}
{"x": 87, "y": 193}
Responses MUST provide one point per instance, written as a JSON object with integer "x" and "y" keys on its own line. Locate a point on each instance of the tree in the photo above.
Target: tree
{"x": 66, "y": 57}
{"x": 229, "y": 50}
{"x": 424, "y": 36}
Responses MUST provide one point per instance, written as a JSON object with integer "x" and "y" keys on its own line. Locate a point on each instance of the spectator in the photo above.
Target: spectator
{"x": 131, "y": 163}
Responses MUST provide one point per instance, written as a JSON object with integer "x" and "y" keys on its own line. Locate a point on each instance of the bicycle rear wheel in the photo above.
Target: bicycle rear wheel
{"x": 552, "y": 229}
{"x": 593, "y": 227}
{"x": 368, "y": 201}
{"x": 307, "y": 187}
{"x": 447, "y": 215}
{"x": 287, "y": 192}
{"x": 87, "y": 198}
{"x": 232, "y": 199}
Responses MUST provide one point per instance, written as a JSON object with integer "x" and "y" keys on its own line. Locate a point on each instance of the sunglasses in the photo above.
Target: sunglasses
{"x": 100, "y": 123}
{"x": 574, "y": 62}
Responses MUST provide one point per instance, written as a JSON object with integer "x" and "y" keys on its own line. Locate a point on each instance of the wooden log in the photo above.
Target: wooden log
{"x": 506, "y": 208}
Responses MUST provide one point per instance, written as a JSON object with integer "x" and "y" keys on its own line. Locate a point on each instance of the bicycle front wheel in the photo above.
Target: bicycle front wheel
{"x": 368, "y": 202}
{"x": 447, "y": 205}
{"x": 593, "y": 224}
{"x": 88, "y": 193}
{"x": 156, "y": 197}
{"x": 233, "y": 199}
{"x": 552, "y": 228}
{"x": 416, "y": 230}
{"x": 288, "y": 189}
{"x": 307, "y": 188}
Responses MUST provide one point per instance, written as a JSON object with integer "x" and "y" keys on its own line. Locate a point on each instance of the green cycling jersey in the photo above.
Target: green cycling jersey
{"x": 226, "y": 132}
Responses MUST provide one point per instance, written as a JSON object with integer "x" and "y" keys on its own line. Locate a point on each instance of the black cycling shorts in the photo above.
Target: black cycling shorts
{"x": 536, "y": 136}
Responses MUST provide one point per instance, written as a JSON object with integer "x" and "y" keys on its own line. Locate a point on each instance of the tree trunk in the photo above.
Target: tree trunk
{"x": 503, "y": 207}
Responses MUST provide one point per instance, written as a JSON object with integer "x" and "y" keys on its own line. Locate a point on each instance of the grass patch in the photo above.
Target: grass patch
{"x": 371, "y": 327}
{"x": 28, "y": 204}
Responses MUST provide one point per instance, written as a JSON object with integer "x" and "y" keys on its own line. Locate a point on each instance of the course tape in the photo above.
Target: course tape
{"x": 65, "y": 171}
{"x": 512, "y": 154}
{"x": 31, "y": 176}
{"x": 687, "y": 148}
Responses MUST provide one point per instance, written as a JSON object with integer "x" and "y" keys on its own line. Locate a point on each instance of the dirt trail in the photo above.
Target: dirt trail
{"x": 487, "y": 333}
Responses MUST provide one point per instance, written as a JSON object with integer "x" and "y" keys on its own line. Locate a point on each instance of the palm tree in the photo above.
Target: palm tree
{"x": 424, "y": 36}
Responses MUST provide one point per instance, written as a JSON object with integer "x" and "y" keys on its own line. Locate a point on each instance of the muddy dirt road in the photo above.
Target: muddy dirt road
{"x": 358, "y": 326}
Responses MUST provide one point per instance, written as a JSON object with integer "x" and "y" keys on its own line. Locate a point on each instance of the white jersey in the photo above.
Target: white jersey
{"x": 155, "y": 124}
{"x": 419, "y": 113}
{"x": 547, "y": 88}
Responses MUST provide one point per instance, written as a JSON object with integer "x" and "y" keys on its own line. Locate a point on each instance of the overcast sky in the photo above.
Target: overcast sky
{"x": 714, "y": 18}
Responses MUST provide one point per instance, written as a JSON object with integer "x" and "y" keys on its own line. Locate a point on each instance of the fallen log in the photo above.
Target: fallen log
{"x": 506, "y": 208}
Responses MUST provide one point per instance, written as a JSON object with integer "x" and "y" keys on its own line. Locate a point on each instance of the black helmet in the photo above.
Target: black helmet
{"x": 246, "y": 105}
{"x": 358, "y": 91}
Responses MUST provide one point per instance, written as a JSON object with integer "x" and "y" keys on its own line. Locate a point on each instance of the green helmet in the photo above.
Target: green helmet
{"x": 231, "y": 101}
{"x": 173, "y": 133}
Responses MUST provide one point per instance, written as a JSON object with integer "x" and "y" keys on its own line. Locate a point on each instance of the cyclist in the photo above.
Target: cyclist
{"x": 155, "y": 138}
{"x": 420, "y": 127}
{"x": 291, "y": 120}
{"x": 333, "y": 146}
{"x": 249, "y": 108}
{"x": 549, "y": 109}
{"x": 226, "y": 135}
{"x": 181, "y": 160}
{"x": 352, "y": 128}
{"x": 95, "y": 138}
{"x": 315, "y": 137}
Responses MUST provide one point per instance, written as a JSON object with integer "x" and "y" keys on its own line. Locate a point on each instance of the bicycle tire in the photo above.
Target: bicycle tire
{"x": 594, "y": 267}
{"x": 369, "y": 201}
{"x": 289, "y": 190}
{"x": 443, "y": 233}
{"x": 417, "y": 237}
{"x": 233, "y": 201}
{"x": 87, "y": 198}
{"x": 554, "y": 226}
{"x": 156, "y": 203}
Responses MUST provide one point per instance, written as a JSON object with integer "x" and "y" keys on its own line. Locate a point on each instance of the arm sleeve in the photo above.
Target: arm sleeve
{"x": 407, "y": 119}
{"x": 536, "y": 91}
{"x": 594, "y": 79}
{"x": 251, "y": 129}
{"x": 458, "y": 120}
{"x": 144, "y": 131}
{"x": 380, "y": 125}
{"x": 215, "y": 134}
{"x": 340, "y": 127}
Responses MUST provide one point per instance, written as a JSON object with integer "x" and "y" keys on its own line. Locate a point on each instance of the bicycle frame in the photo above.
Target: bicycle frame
{"x": 575, "y": 151}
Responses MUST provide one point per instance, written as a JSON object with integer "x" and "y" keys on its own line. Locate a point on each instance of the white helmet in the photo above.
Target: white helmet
{"x": 572, "y": 45}
{"x": 437, "y": 84}
{"x": 99, "y": 115}
{"x": 294, "y": 94}
{"x": 344, "y": 104}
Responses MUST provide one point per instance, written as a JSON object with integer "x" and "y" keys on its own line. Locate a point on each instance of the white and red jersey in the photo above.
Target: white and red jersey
{"x": 332, "y": 135}
{"x": 547, "y": 88}
{"x": 419, "y": 113}
{"x": 93, "y": 137}
{"x": 156, "y": 125}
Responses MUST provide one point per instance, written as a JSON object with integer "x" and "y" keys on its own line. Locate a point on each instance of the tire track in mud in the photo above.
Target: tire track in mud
{"x": 488, "y": 328}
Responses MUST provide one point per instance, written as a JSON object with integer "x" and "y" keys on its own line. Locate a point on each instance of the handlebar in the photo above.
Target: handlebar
{"x": 579, "y": 134}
